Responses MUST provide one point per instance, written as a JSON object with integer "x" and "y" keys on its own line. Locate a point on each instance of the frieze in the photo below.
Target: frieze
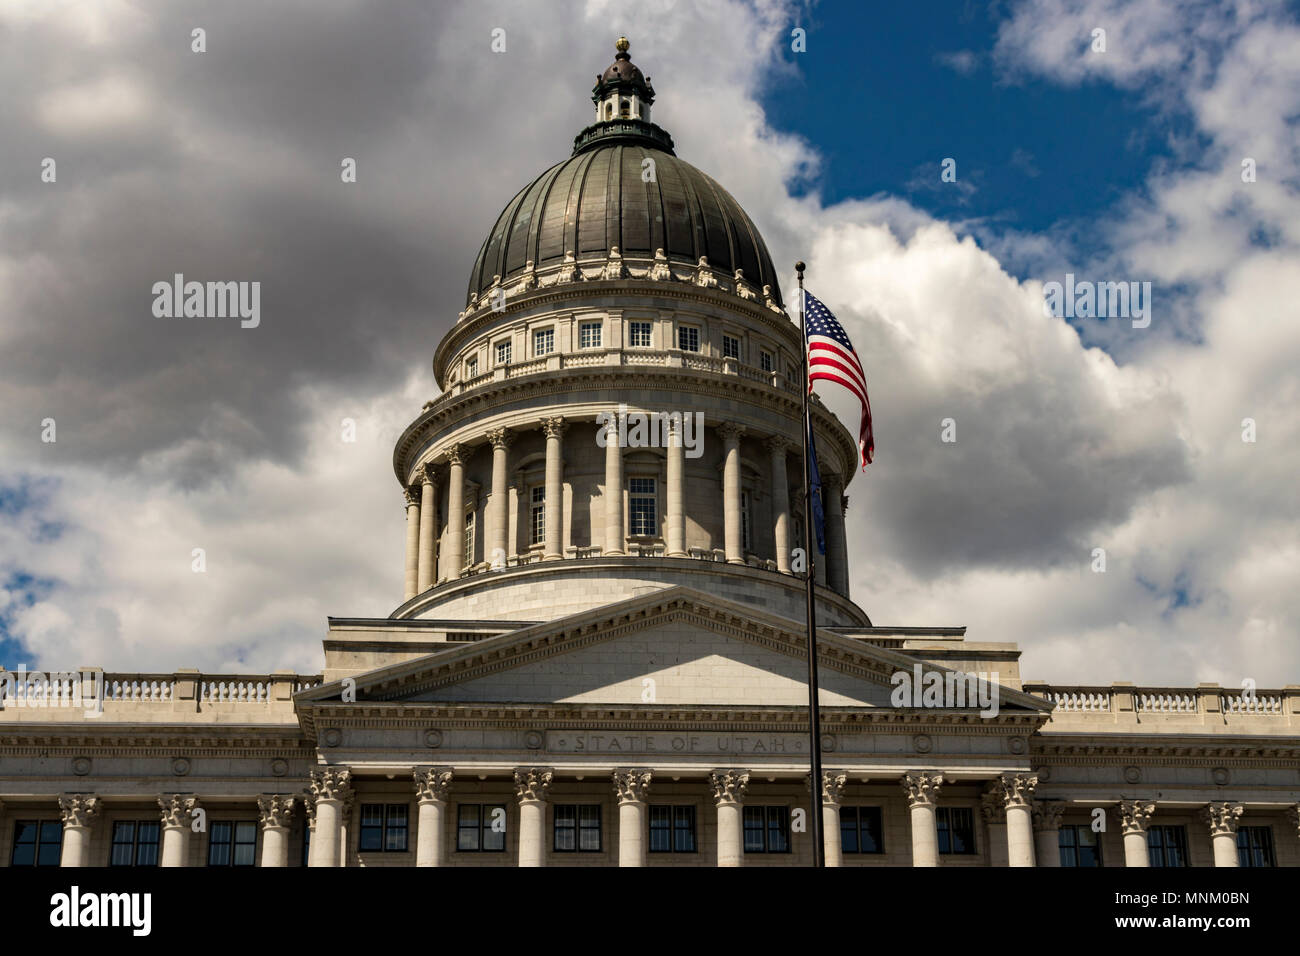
{"x": 603, "y": 742}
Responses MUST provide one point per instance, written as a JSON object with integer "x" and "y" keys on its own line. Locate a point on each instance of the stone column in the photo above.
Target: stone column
{"x": 922, "y": 789}
{"x": 498, "y": 509}
{"x": 411, "y": 588}
{"x": 1018, "y": 793}
{"x": 332, "y": 788}
{"x": 837, "y": 557}
{"x": 79, "y": 811}
{"x": 832, "y": 788}
{"x": 345, "y": 826}
{"x": 455, "y": 511}
{"x": 275, "y": 813}
{"x": 554, "y": 430}
{"x": 675, "y": 494}
{"x": 427, "y": 572}
{"x": 731, "y": 503}
{"x": 631, "y": 787}
{"x": 432, "y": 785}
{"x": 177, "y": 824}
{"x": 615, "y": 536}
{"x": 1222, "y": 820}
{"x": 729, "y": 788}
{"x": 993, "y": 807}
{"x": 1135, "y": 817}
{"x": 531, "y": 784}
{"x": 1047, "y": 831}
{"x": 780, "y": 502}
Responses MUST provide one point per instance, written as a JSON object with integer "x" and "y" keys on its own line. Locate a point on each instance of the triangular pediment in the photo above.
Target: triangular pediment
{"x": 675, "y": 648}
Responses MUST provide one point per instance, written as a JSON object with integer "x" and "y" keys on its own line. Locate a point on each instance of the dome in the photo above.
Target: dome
{"x": 609, "y": 195}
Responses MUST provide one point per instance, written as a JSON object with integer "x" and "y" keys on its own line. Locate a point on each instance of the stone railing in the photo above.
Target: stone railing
{"x": 54, "y": 696}
{"x": 1206, "y": 704}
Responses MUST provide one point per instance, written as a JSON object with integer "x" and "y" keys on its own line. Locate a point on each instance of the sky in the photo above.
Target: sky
{"x": 1072, "y": 434}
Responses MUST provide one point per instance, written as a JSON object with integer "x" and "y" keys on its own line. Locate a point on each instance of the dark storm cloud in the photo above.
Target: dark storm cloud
{"x": 225, "y": 165}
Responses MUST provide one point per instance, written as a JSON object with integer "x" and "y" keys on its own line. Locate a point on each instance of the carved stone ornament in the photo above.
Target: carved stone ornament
{"x": 632, "y": 785}
{"x": 78, "y": 809}
{"x": 332, "y": 783}
{"x": 1135, "y": 815}
{"x": 275, "y": 809}
{"x": 554, "y": 427}
{"x": 614, "y": 267}
{"x": 412, "y": 497}
{"x": 177, "y": 808}
{"x": 660, "y": 272}
{"x": 728, "y": 786}
{"x": 993, "y": 806}
{"x": 432, "y": 784}
{"x": 833, "y": 783}
{"x": 704, "y": 277}
{"x": 1047, "y": 814}
{"x": 1222, "y": 818}
{"x": 922, "y": 789}
{"x": 1017, "y": 789}
{"x": 531, "y": 783}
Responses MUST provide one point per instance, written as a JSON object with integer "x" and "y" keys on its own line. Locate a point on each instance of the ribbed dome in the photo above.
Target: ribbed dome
{"x": 596, "y": 200}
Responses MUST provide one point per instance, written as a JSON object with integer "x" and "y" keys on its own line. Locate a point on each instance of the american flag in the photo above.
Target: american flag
{"x": 831, "y": 357}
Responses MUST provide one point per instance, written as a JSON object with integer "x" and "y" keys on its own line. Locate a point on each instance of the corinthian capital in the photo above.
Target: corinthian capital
{"x": 833, "y": 783}
{"x": 1017, "y": 789}
{"x": 411, "y": 495}
{"x": 500, "y": 437}
{"x": 531, "y": 783}
{"x": 177, "y": 808}
{"x": 432, "y": 784}
{"x": 275, "y": 809}
{"x": 1135, "y": 815}
{"x": 456, "y": 455}
{"x": 426, "y": 475}
{"x": 921, "y": 788}
{"x": 993, "y": 805}
{"x": 554, "y": 427}
{"x": 78, "y": 809}
{"x": 778, "y": 444}
{"x": 730, "y": 432}
{"x": 729, "y": 786}
{"x": 1047, "y": 814}
{"x": 632, "y": 785}
{"x": 1222, "y": 817}
{"x": 332, "y": 783}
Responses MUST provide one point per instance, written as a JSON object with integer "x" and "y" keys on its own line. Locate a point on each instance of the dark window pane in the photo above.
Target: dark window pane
{"x": 494, "y": 827}
{"x": 849, "y": 830}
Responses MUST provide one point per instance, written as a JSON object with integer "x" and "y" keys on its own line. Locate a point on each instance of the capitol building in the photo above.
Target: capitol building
{"x": 599, "y": 657}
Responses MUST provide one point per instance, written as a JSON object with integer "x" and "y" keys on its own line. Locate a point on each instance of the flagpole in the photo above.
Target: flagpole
{"x": 814, "y": 717}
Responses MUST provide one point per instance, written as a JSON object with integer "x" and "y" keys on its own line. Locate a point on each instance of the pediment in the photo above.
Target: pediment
{"x": 676, "y": 648}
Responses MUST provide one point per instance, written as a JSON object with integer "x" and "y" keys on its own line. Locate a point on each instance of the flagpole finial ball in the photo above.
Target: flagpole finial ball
{"x": 799, "y": 266}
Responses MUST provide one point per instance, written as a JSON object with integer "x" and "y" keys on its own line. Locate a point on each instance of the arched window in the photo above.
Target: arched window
{"x": 625, "y": 108}
{"x": 609, "y": 111}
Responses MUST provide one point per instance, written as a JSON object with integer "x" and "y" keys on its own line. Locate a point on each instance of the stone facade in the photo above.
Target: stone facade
{"x": 599, "y": 657}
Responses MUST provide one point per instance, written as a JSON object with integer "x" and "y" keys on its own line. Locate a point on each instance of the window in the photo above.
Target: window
{"x": 577, "y": 828}
{"x": 860, "y": 830}
{"x": 767, "y": 830}
{"x": 471, "y": 368}
{"x": 537, "y": 515}
{"x": 1255, "y": 846}
{"x": 481, "y": 827}
{"x": 792, "y": 374}
{"x": 232, "y": 843}
{"x": 1079, "y": 846}
{"x": 730, "y": 347}
{"x": 688, "y": 338}
{"x": 383, "y": 827}
{"x": 765, "y": 361}
{"x": 624, "y": 108}
{"x": 1167, "y": 846}
{"x": 641, "y": 506}
{"x": 589, "y": 335}
{"x": 672, "y": 829}
{"x": 638, "y": 335}
{"x": 744, "y": 521}
{"x": 135, "y": 843}
{"x": 543, "y": 342}
{"x": 37, "y": 843}
{"x": 956, "y": 830}
{"x": 503, "y": 353}
{"x": 469, "y": 538}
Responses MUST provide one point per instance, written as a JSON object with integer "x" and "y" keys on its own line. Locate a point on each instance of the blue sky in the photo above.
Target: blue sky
{"x": 881, "y": 96}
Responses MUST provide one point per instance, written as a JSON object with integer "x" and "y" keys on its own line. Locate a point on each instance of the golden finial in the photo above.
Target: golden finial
{"x": 622, "y": 45}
